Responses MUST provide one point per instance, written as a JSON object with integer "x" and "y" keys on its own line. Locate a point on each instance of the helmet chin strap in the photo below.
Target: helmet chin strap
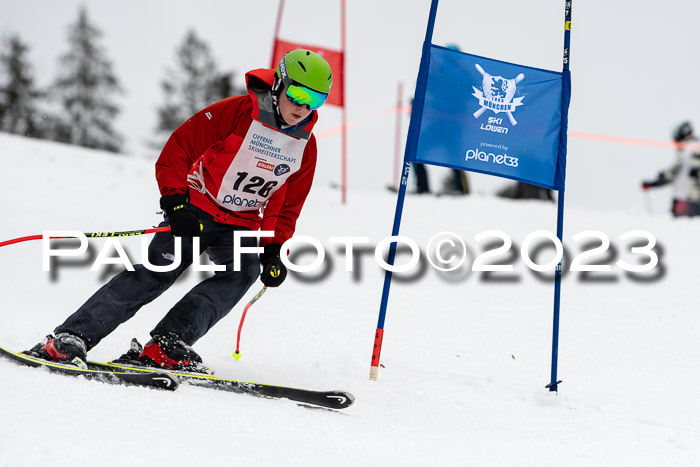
{"x": 276, "y": 92}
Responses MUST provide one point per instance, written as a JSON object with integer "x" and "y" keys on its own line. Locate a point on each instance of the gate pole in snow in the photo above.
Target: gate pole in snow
{"x": 409, "y": 156}
{"x": 554, "y": 383}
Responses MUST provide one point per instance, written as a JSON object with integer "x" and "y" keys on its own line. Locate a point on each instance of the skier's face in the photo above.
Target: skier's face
{"x": 292, "y": 113}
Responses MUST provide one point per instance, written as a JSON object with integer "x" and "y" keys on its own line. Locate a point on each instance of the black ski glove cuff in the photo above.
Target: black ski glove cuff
{"x": 183, "y": 220}
{"x": 170, "y": 203}
{"x": 274, "y": 272}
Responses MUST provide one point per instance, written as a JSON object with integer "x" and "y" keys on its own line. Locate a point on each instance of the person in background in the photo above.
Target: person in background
{"x": 684, "y": 174}
{"x": 422, "y": 184}
{"x": 522, "y": 190}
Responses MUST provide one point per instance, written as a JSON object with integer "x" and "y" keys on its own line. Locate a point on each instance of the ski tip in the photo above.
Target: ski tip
{"x": 344, "y": 399}
{"x": 351, "y": 399}
{"x": 165, "y": 380}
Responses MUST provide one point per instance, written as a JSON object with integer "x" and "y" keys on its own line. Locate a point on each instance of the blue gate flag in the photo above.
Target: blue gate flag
{"x": 494, "y": 117}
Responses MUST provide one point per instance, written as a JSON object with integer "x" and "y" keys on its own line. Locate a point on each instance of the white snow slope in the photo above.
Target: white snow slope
{"x": 466, "y": 357}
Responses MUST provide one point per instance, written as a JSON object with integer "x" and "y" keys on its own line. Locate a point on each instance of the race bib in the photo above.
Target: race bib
{"x": 263, "y": 163}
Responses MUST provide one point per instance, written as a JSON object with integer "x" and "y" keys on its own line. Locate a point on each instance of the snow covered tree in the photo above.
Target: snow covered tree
{"x": 192, "y": 85}
{"x": 18, "y": 94}
{"x": 84, "y": 87}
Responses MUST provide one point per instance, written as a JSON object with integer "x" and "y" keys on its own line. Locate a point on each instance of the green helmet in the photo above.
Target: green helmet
{"x": 306, "y": 68}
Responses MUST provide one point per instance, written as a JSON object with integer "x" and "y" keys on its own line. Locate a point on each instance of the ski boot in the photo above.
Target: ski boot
{"x": 65, "y": 349}
{"x": 168, "y": 352}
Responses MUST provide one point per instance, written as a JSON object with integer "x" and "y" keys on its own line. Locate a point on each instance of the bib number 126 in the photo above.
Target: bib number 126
{"x": 256, "y": 185}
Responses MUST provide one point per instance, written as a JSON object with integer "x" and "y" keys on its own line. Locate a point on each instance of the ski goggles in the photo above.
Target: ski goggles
{"x": 301, "y": 95}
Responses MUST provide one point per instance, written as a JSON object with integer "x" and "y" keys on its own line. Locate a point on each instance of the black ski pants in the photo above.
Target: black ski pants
{"x": 196, "y": 313}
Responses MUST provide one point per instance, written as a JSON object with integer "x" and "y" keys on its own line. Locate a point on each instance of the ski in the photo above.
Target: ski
{"x": 155, "y": 379}
{"x": 327, "y": 399}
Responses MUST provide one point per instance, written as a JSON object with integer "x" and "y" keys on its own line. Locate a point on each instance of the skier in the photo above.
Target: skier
{"x": 685, "y": 174}
{"x": 241, "y": 164}
{"x": 422, "y": 184}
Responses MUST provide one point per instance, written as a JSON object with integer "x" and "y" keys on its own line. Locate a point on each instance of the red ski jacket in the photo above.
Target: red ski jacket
{"x": 238, "y": 165}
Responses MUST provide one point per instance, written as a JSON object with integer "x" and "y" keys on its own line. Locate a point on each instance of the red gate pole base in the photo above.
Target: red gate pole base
{"x": 374, "y": 368}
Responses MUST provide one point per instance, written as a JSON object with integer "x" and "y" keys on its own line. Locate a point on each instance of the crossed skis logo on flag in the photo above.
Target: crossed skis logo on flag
{"x": 497, "y": 94}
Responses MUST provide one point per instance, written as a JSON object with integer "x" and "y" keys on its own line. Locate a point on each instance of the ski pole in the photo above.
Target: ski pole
{"x": 647, "y": 201}
{"x": 127, "y": 233}
{"x": 237, "y": 353}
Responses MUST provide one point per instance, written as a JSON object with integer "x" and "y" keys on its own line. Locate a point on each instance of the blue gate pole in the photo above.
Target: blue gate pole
{"x": 409, "y": 156}
{"x": 554, "y": 383}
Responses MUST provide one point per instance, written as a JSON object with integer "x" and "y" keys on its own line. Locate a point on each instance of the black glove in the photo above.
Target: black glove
{"x": 274, "y": 272}
{"x": 183, "y": 220}
{"x": 661, "y": 181}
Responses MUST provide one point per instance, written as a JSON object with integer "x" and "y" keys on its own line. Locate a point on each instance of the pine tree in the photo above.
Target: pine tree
{"x": 18, "y": 95}
{"x": 194, "y": 84}
{"x": 84, "y": 88}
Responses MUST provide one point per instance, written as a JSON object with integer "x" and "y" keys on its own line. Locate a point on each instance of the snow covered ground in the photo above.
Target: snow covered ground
{"x": 466, "y": 356}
